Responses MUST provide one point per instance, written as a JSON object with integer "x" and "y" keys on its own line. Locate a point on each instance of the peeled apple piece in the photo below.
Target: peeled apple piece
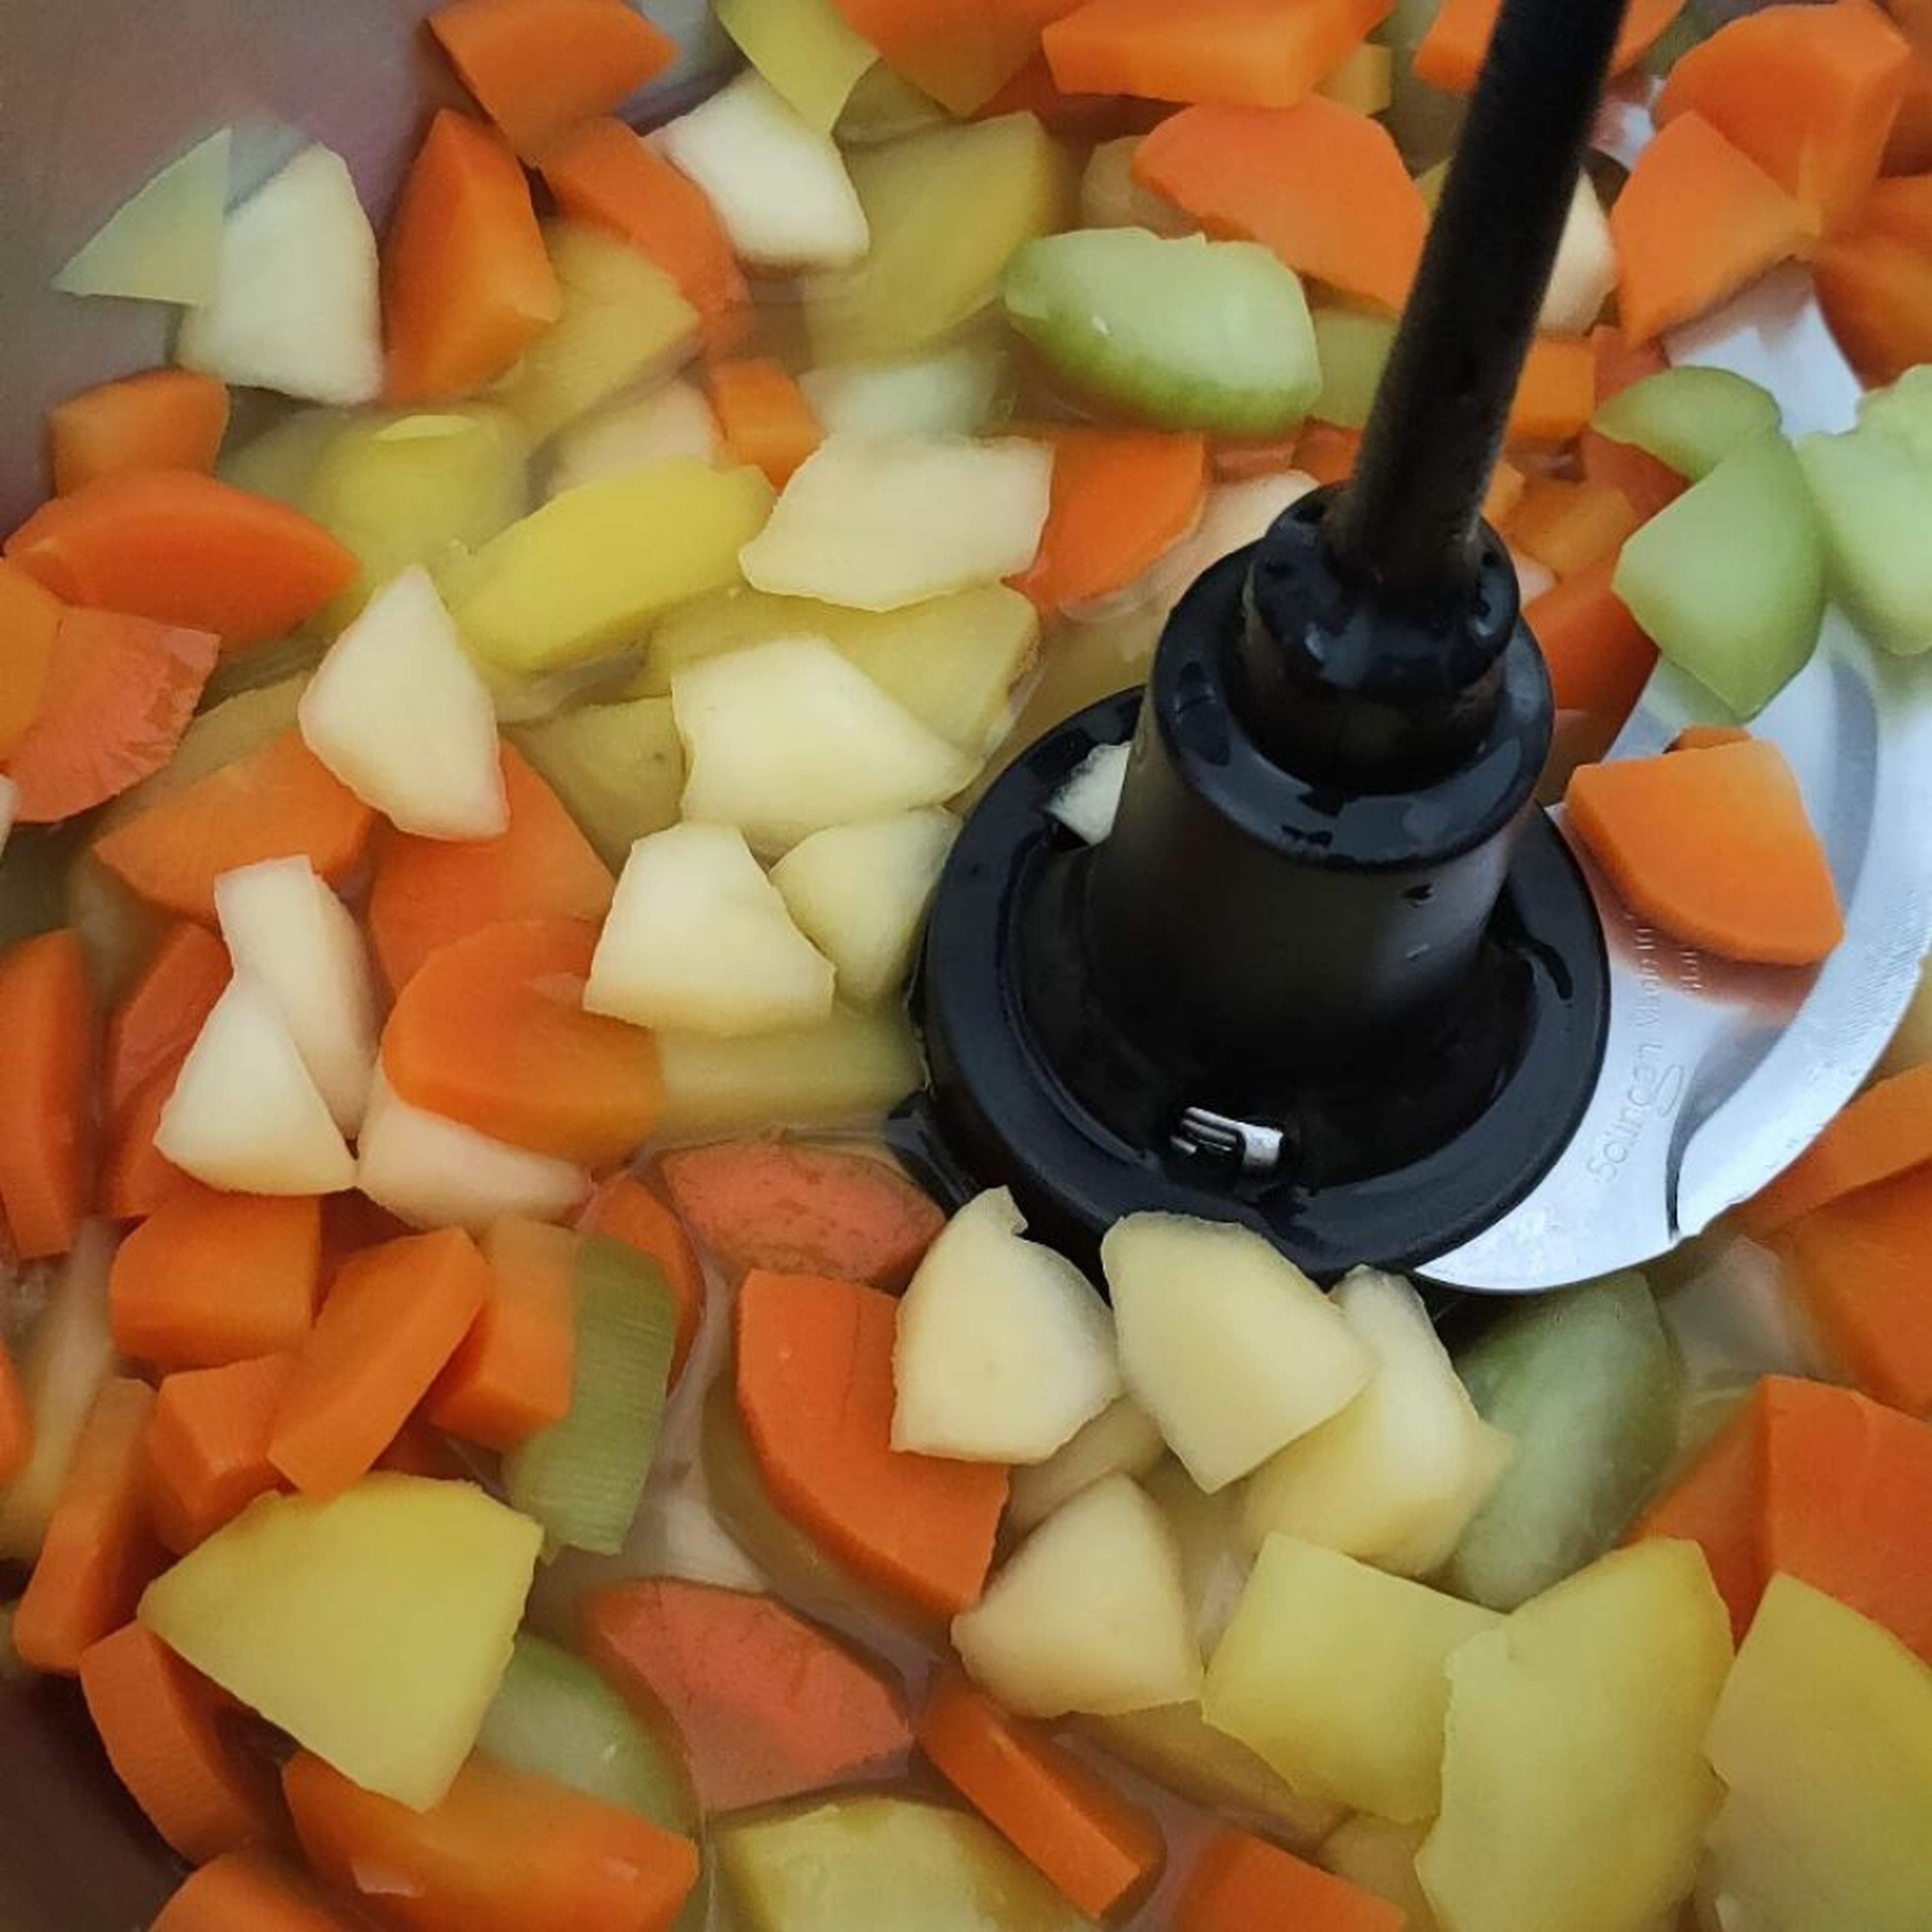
{"x": 1585, "y": 269}
{"x": 1873, "y": 494}
{"x": 674, "y": 421}
{"x": 1004, "y": 1350}
{"x": 1123, "y": 1440}
{"x": 955, "y": 391}
{"x": 778, "y": 184}
{"x": 398, "y": 712}
{"x": 1689, "y": 418}
{"x": 788, "y": 738}
{"x": 296, "y": 307}
{"x": 163, "y": 243}
{"x": 1728, "y": 580}
{"x": 1185, "y": 333}
{"x": 698, "y": 939}
{"x": 1110, "y": 197}
{"x": 804, "y": 48}
{"x": 878, "y": 522}
{"x": 245, "y": 1113}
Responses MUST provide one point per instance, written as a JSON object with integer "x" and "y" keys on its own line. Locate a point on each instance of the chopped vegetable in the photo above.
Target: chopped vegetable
{"x": 1882, "y": 1132}
{"x": 46, "y": 1017}
{"x": 959, "y": 52}
{"x": 1648, "y": 483}
{"x": 617, "y": 769}
{"x": 764, "y": 418}
{"x": 804, "y": 48}
{"x": 1556, "y": 391}
{"x": 1689, "y": 418}
{"x": 1569, "y": 525}
{"x": 1239, "y": 1881}
{"x": 163, "y": 243}
{"x": 670, "y": 421}
{"x": 1451, "y": 54}
{"x": 956, "y": 391}
{"x": 208, "y": 1446}
{"x": 249, "y": 1891}
{"x": 17, "y": 1422}
{"x": 1876, "y": 294}
{"x": 625, "y": 1211}
{"x": 157, "y": 1021}
{"x": 1122, "y": 1440}
{"x": 136, "y": 1178}
{"x": 160, "y": 419}
{"x": 30, "y": 617}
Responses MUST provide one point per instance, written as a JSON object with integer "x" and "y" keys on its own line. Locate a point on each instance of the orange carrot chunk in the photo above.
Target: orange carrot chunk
{"x": 539, "y": 67}
{"x": 1327, "y": 453}
{"x": 208, "y": 1446}
{"x": 163, "y": 1012}
{"x": 627, "y": 1211}
{"x": 1599, "y": 660}
{"x": 1451, "y": 55}
{"x": 1556, "y": 395}
{"x": 277, "y": 802}
{"x": 429, "y": 892}
{"x": 763, "y": 417}
{"x": 1901, "y": 208}
{"x": 122, "y": 691}
{"x": 1881, "y": 1133}
{"x": 184, "y": 549}
{"x": 1320, "y": 184}
{"x": 1697, "y": 220}
{"x": 1252, "y": 53}
{"x": 1876, "y": 293}
{"x": 767, "y": 1706}
{"x": 100, "y": 1554}
{"x": 814, "y": 1386}
{"x": 136, "y": 1178}
{"x": 605, "y": 175}
{"x": 1570, "y": 525}
{"x": 492, "y": 1032}
{"x": 392, "y": 1318}
{"x": 1702, "y": 737}
{"x": 46, "y": 1037}
{"x": 466, "y": 284}
{"x": 1716, "y": 1504}
{"x": 511, "y": 1374}
{"x": 1809, "y": 93}
{"x": 161, "y": 419}
{"x": 1649, "y": 484}
{"x": 1909, "y": 151}
{"x": 1858, "y": 1264}
{"x": 161, "y": 1724}
{"x": 1714, "y": 847}
{"x": 210, "y": 1278}
{"x": 16, "y": 1421}
{"x": 794, "y": 1209}
{"x": 29, "y": 618}
{"x": 1098, "y": 1847}
{"x": 250, "y": 1892}
{"x": 1122, "y": 499}
{"x": 503, "y": 1852}
{"x": 1239, "y": 1883}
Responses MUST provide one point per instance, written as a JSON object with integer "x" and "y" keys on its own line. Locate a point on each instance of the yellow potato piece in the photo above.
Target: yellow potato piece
{"x": 618, "y": 769}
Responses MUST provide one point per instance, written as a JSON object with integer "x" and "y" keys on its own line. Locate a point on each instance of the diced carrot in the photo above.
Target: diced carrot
{"x": 1881, "y": 1132}
{"x": 1239, "y": 1883}
{"x": 46, "y": 1035}
{"x": 158, "y": 1021}
{"x": 1858, "y": 1266}
{"x": 100, "y": 1554}
{"x": 1809, "y": 93}
{"x": 1702, "y": 737}
{"x": 1901, "y": 207}
{"x": 351, "y": 1222}
{"x": 1649, "y": 485}
{"x": 279, "y": 802}
{"x": 1909, "y": 151}
{"x": 429, "y": 893}
{"x": 1451, "y": 55}
{"x": 814, "y": 1386}
{"x": 795, "y": 1209}
{"x": 1876, "y": 293}
{"x": 511, "y": 1376}
{"x": 184, "y": 548}
{"x": 1098, "y": 1846}
{"x": 1252, "y": 53}
{"x": 161, "y": 419}
{"x": 467, "y": 285}
{"x": 136, "y": 1178}
{"x": 1570, "y": 525}
{"x": 1072, "y": 117}
{"x": 1697, "y": 220}
{"x": 1238, "y": 459}
{"x": 605, "y": 175}
{"x": 250, "y": 1892}
{"x": 29, "y": 617}
{"x": 1599, "y": 660}
{"x": 1714, "y": 846}
{"x": 960, "y": 51}
{"x": 1122, "y": 499}
{"x": 392, "y": 1318}
{"x": 160, "y": 1723}
{"x": 208, "y": 1446}
{"x": 16, "y": 1421}
{"x": 767, "y": 1706}
{"x": 1327, "y": 454}
{"x": 1556, "y": 394}
{"x": 1322, "y": 186}
{"x": 627, "y": 1211}
{"x": 539, "y": 67}
{"x": 122, "y": 692}
{"x": 505, "y": 1851}
{"x": 210, "y": 1278}
{"x": 1715, "y": 1503}
{"x": 763, "y": 417}
{"x": 417, "y": 1450}
{"x": 491, "y": 1031}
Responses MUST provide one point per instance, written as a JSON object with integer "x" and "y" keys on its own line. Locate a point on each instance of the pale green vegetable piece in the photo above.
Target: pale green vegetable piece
{"x": 163, "y": 243}
{"x": 1188, "y": 333}
{"x": 1873, "y": 494}
{"x": 958, "y": 391}
{"x": 1355, "y": 350}
{"x": 1903, "y": 411}
{"x": 279, "y": 460}
{"x": 886, "y": 106}
{"x": 1689, "y": 418}
{"x": 1728, "y": 580}
{"x": 618, "y": 769}
{"x": 804, "y": 48}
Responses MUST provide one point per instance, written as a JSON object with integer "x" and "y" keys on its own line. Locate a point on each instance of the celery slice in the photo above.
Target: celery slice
{"x": 582, "y": 1478}
{"x": 553, "y": 1715}
{"x": 1355, "y": 350}
{"x": 1689, "y": 418}
{"x": 1189, "y": 333}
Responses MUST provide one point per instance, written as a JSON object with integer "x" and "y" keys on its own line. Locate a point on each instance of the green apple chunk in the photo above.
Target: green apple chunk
{"x": 1589, "y": 1384}
{"x": 1689, "y": 418}
{"x": 1823, "y": 1736}
{"x": 373, "y": 1627}
{"x": 618, "y": 769}
{"x": 1729, "y": 581}
{"x": 1333, "y": 1673}
{"x": 1122, "y": 1440}
{"x": 885, "y": 1861}
{"x": 1187, "y": 334}
{"x": 1873, "y": 492}
{"x": 1574, "y": 1789}
{"x": 1354, "y": 349}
